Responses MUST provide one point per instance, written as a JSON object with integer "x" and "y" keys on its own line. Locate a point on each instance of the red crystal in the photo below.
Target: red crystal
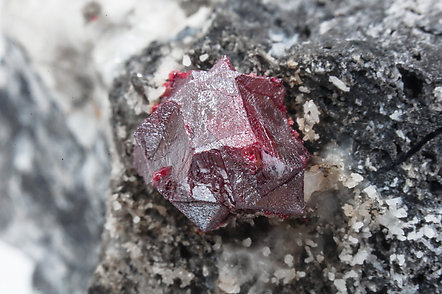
{"x": 220, "y": 142}
{"x": 161, "y": 173}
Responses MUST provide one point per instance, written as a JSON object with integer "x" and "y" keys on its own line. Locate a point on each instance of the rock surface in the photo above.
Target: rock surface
{"x": 363, "y": 84}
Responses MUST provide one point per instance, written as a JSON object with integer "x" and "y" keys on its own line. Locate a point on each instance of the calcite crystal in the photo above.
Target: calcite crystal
{"x": 220, "y": 142}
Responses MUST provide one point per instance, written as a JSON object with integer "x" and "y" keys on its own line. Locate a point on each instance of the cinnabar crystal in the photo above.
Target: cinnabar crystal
{"x": 220, "y": 142}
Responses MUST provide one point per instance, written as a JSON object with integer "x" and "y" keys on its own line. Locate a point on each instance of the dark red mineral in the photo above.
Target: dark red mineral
{"x": 220, "y": 142}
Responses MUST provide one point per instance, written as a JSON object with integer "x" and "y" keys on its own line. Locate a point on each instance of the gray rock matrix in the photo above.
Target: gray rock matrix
{"x": 370, "y": 71}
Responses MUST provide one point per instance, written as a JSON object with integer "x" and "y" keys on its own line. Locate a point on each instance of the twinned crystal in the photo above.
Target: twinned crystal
{"x": 220, "y": 142}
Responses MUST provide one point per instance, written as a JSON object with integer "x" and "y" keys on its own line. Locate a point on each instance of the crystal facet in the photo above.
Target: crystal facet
{"x": 220, "y": 142}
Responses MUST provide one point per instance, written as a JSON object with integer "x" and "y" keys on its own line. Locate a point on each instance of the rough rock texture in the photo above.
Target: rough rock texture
{"x": 363, "y": 81}
{"x": 220, "y": 143}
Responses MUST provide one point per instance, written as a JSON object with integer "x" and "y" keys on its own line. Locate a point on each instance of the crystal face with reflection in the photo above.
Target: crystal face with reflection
{"x": 220, "y": 142}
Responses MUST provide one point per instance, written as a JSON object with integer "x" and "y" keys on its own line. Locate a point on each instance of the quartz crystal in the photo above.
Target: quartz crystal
{"x": 220, "y": 142}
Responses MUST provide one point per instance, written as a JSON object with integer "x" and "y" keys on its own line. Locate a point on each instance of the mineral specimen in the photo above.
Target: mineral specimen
{"x": 220, "y": 142}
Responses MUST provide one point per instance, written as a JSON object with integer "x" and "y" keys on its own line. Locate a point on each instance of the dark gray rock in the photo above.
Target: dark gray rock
{"x": 48, "y": 208}
{"x": 372, "y": 70}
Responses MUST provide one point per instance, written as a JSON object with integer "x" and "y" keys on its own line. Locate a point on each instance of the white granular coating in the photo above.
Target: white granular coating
{"x": 286, "y": 275}
{"x": 357, "y": 226}
{"x": 428, "y": 232}
{"x": 370, "y": 191}
{"x": 433, "y": 219}
{"x": 288, "y": 260}
{"x": 310, "y": 243}
{"x": 247, "y": 242}
{"x": 186, "y": 60}
{"x": 353, "y": 180}
{"x": 400, "y": 259}
{"x": 310, "y": 119}
{"x": 205, "y": 271}
{"x": 396, "y": 115}
{"x": 351, "y": 274}
{"x": 116, "y": 205}
{"x": 266, "y": 251}
{"x": 360, "y": 257}
{"x": 228, "y": 281}
{"x": 353, "y": 240}
{"x": 419, "y": 254}
{"x": 304, "y": 89}
{"x": 348, "y": 209}
{"x": 339, "y": 84}
{"x": 204, "y": 57}
{"x": 340, "y": 285}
